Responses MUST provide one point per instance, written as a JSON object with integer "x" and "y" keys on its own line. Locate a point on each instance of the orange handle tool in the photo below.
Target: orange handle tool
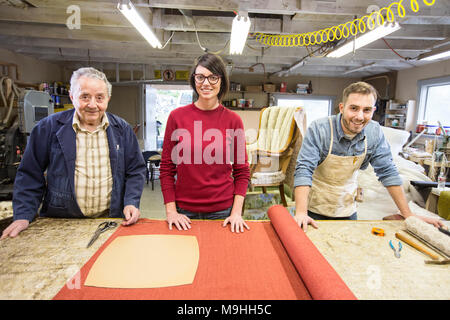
{"x": 416, "y": 244}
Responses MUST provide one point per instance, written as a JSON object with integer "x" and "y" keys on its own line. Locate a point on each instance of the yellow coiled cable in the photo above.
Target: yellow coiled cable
{"x": 343, "y": 30}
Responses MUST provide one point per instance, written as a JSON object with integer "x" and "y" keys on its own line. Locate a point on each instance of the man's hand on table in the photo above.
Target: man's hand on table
{"x": 131, "y": 214}
{"x": 15, "y": 228}
{"x": 435, "y": 222}
{"x": 236, "y": 222}
{"x": 303, "y": 220}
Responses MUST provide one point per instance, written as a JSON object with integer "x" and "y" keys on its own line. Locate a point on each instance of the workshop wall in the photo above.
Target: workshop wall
{"x": 125, "y": 102}
{"x": 322, "y": 86}
{"x": 384, "y": 83}
{"x": 32, "y": 70}
{"x": 407, "y": 79}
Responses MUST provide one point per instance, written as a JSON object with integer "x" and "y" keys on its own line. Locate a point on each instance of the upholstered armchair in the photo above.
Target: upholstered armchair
{"x": 273, "y": 151}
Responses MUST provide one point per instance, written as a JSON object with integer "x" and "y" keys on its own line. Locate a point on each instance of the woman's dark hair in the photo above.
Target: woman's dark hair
{"x": 213, "y": 63}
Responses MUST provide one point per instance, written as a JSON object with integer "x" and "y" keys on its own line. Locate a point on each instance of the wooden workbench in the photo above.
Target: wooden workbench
{"x": 368, "y": 266}
{"x": 44, "y": 257}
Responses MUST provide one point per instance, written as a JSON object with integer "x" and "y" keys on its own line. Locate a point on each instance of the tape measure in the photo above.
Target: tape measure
{"x": 378, "y": 232}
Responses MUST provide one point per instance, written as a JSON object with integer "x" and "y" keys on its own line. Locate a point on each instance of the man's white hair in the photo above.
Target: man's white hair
{"x": 90, "y": 73}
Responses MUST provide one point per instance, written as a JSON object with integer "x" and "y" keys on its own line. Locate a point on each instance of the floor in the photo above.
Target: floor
{"x": 152, "y": 204}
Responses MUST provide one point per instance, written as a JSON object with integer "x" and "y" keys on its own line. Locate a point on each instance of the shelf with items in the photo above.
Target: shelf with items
{"x": 55, "y": 88}
{"x": 59, "y": 92}
{"x": 246, "y": 100}
{"x": 398, "y": 114}
{"x": 61, "y": 102}
{"x": 395, "y": 120}
{"x": 261, "y": 95}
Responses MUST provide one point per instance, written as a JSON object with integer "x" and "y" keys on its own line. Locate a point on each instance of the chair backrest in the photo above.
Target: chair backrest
{"x": 276, "y": 128}
{"x": 148, "y": 154}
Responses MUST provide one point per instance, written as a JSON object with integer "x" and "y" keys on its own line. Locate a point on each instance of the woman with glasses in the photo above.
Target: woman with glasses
{"x": 204, "y": 171}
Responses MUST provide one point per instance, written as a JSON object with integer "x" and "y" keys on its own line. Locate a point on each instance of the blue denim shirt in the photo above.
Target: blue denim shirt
{"x": 316, "y": 144}
{"x": 51, "y": 148}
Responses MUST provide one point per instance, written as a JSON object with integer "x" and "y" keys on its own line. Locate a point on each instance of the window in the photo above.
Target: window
{"x": 160, "y": 101}
{"x": 434, "y": 101}
{"x": 315, "y": 106}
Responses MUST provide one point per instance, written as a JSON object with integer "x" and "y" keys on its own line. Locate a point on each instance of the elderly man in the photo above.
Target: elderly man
{"x": 333, "y": 151}
{"x": 92, "y": 158}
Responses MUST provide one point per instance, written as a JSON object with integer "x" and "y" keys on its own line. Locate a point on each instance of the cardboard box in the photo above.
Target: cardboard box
{"x": 253, "y": 88}
{"x": 269, "y": 87}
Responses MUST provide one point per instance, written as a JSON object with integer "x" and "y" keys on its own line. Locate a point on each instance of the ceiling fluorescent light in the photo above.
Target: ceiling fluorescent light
{"x": 239, "y": 33}
{"x": 440, "y": 53}
{"x": 364, "y": 39}
{"x": 130, "y": 12}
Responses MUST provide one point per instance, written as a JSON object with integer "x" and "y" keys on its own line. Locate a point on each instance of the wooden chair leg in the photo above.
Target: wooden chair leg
{"x": 283, "y": 198}
{"x": 152, "y": 178}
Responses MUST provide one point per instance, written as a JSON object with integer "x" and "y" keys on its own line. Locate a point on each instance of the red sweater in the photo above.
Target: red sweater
{"x": 206, "y": 152}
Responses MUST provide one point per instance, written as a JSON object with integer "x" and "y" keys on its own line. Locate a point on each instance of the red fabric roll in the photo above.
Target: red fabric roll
{"x": 321, "y": 280}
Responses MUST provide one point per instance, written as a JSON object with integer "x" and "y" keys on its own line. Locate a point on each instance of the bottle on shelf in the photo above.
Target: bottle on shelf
{"x": 441, "y": 180}
{"x": 442, "y": 174}
{"x": 58, "y": 102}
{"x": 46, "y": 88}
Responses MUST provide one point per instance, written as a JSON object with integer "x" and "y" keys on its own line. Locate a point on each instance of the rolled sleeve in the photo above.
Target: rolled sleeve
{"x": 392, "y": 181}
{"x": 302, "y": 181}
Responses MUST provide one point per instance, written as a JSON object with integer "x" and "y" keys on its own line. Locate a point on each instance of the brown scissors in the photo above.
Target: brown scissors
{"x": 102, "y": 227}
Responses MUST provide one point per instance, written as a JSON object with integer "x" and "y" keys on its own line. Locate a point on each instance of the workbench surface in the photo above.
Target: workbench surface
{"x": 39, "y": 262}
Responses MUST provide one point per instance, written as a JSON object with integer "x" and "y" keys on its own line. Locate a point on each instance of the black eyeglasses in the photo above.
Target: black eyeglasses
{"x": 200, "y": 78}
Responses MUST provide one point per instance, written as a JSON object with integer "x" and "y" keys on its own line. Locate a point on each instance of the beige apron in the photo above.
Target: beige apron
{"x": 334, "y": 183}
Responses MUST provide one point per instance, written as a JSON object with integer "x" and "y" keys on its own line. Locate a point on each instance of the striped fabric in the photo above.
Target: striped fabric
{"x": 93, "y": 178}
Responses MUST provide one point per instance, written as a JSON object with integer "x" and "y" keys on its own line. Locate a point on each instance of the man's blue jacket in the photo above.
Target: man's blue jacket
{"x": 52, "y": 147}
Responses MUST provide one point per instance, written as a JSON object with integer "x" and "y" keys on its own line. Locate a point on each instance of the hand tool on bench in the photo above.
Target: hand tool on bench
{"x": 416, "y": 244}
{"x": 102, "y": 227}
{"x": 396, "y": 252}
